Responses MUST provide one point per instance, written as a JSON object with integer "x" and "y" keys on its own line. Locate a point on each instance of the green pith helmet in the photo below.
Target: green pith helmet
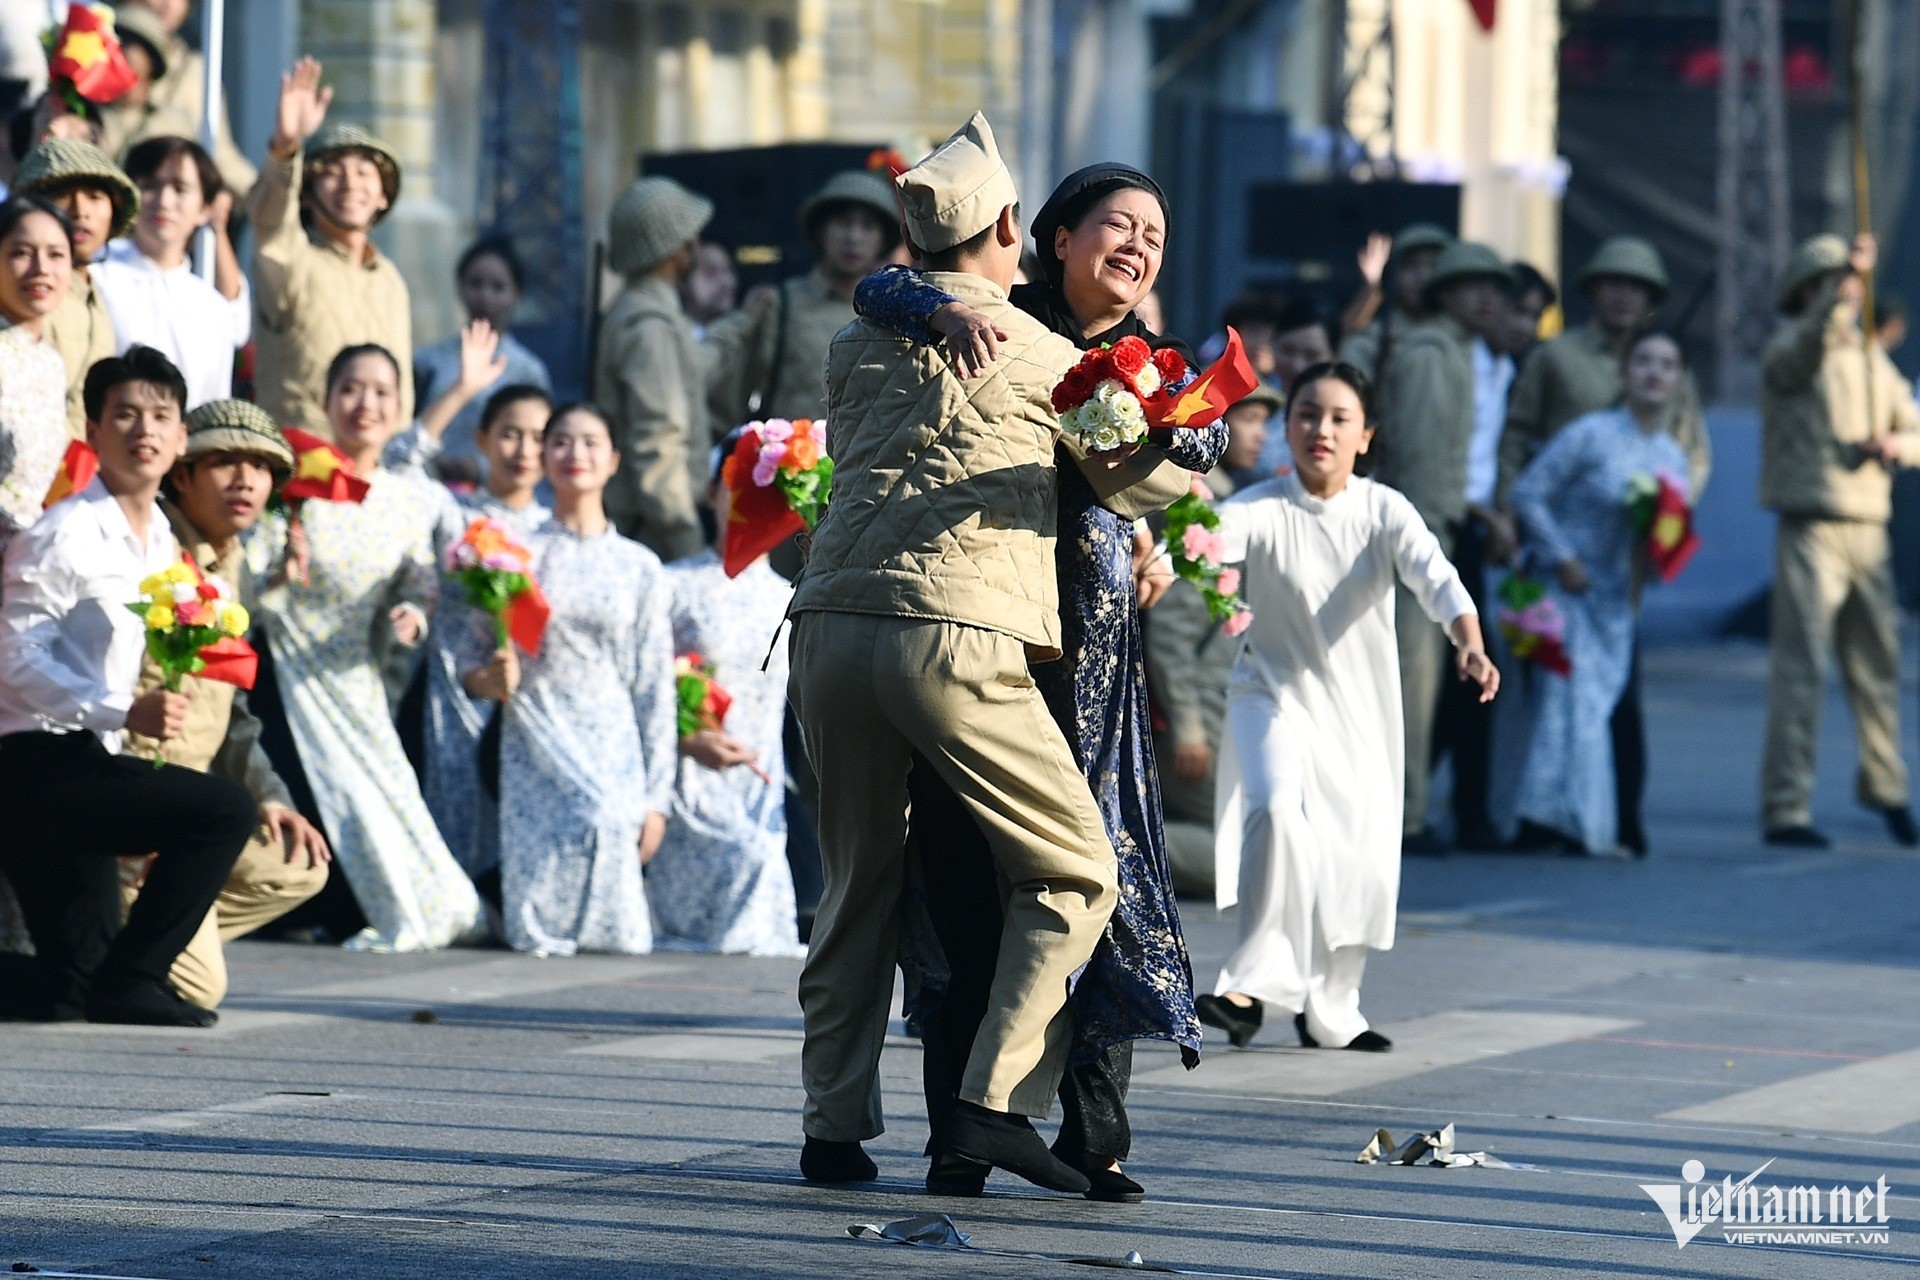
{"x": 236, "y": 426}
{"x": 654, "y": 217}
{"x": 1813, "y": 259}
{"x": 1416, "y": 236}
{"x": 1464, "y": 260}
{"x": 1627, "y": 258}
{"x": 860, "y": 188}
{"x": 58, "y": 163}
{"x": 335, "y": 138}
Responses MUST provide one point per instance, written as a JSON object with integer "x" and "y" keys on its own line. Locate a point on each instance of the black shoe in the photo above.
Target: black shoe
{"x": 823, "y": 1161}
{"x": 1534, "y": 838}
{"x": 1634, "y": 841}
{"x": 1424, "y": 843}
{"x": 1478, "y": 838}
{"x": 1109, "y": 1185}
{"x": 1800, "y": 837}
{"x": 1369, "y": 1042}
{"x": 1240, "y": 1022}
{"x": 143, "y": 1002}
{"x": 951, "y": 1175}
{"x": 1900, "y": 825}
{"x": 1009, "y": 1142}
{"x": 1300, "y": 1029}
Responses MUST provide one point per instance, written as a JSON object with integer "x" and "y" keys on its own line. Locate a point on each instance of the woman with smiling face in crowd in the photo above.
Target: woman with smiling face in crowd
{"x": 149, "y": 285}
{"x": 330, "y": 578}
{"x": 588, "y": 723}
{"x": 36, "y": 266}
{"x": 1100, "y": 237}
{"x": 1310, "y": 785}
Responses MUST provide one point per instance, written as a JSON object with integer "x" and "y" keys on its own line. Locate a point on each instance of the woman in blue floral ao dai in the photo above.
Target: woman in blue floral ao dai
{"x": 587, "y": 732}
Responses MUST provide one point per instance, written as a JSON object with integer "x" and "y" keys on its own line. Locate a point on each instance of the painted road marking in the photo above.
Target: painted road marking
{"x": 701, "y": 1046}
{"x": 1875, "y": 1096}
{"x": 1454, "y": 1039}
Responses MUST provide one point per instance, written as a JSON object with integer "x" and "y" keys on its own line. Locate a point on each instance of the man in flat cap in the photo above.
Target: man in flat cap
{"x": 1826, "y": 471}
{"x": 319, "y": 285}
{"x": 929, "y": 588}
{"x": 648, "y": 373}
{"x": 235, "y": 458}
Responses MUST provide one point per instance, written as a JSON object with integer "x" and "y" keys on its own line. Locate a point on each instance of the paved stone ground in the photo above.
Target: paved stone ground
{"x": 1594, "y": 1023}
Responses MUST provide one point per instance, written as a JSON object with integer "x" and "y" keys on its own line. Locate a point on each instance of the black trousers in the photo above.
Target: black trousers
{"x": 1630, "y": 757}
{"x": 1464, "y": 726}
{"x": 964, "y": 902}
{"x": 72, "y": 808}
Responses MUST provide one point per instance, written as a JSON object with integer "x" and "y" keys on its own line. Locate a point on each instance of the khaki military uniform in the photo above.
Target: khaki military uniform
{"x": 650, "y": 380}
{"x": 82, "y": 332}
{"x": 1571, "y": 376}
{"x": 176, "y": 107}
{"x": 1420, "y": 448}
{"x": 1362, "y": 350}
{"x": 777, "y": 355}
{"x": 310, "y": 300}
{"x": 223, "y": 738}
{"x": 929, "y": 587}
{"x": 1833, "y": 581}
{"x": 1189, "y": 660}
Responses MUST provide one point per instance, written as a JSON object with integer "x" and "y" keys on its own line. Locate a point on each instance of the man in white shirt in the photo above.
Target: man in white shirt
{"x": 70, "y": 653}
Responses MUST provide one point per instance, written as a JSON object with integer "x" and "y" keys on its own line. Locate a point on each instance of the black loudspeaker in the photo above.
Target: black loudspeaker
{"x": 1302, "y": 237}
{"x": 757, "y": 193}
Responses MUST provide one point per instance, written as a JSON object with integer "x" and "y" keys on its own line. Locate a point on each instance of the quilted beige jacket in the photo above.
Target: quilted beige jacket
{"x": 944, "y": 497}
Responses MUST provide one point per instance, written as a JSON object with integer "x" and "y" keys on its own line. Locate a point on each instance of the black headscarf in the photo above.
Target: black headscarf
{"x": 1045, "y": 299}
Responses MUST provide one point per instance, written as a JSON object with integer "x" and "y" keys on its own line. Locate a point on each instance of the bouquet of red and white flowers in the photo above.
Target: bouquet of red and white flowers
{"x": 1117, "y": 393}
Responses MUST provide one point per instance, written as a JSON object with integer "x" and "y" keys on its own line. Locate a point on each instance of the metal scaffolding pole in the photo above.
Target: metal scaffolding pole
{"x": 1752, "y": 189}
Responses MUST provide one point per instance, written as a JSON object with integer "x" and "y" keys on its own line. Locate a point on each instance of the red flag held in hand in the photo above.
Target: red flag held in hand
{"x": 77, "y": 471}
{"x": 1204, "y": 402}
{"x": 320, "y": 470}
{"x": 231, "y": 661}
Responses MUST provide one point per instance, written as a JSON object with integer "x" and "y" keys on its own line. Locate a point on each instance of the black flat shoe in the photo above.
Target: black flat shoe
{"x": 1109, "y": 1185}
{"x": 1369, "y": 1042}
{"x": 1300, "y": 1029}
{"x": 957, "y": 1176}
{"x": 146, "y": 1003}
{"x": 1800, "y": 837}
{"x": 1900, "y": 825}
{"x": 823, "y": 1161}
{"x": 1009, "y": 1142}
{"x": 1240, "y": 1022}
{"x": 1478, "y": 839}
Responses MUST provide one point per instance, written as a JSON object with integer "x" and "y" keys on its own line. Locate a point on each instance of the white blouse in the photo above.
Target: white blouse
{"x": 176, "y": 312}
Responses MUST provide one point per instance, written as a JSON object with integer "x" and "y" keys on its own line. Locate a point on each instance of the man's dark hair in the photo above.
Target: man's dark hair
{"x": 349, "y": 354}
{"x": 1528, "y": 278}
{"x": 508, "y": 396}
{"x": 1301, "y": 313}
{"x": 949, "y": 259}
{"x": 495, "y": 246}
{"x": 139, "y": 364}
{"x": 147, "y": 158}
{"x": 1254, "y": 307}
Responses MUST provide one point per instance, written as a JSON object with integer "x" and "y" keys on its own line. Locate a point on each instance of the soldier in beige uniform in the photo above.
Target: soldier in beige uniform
{"x": 101, "y": 201}
{"x": 1426, "y": 425}
{"x": 1825, "y": 470}
{"x": 319, "y": 285}
{"x": 648, "y": 374}
{"x": 1416, "y": 248}
{"x": 1578, "y": 372}
{"x": 235, "y": 456}
{"x": 764, "y": 361}
{"x": 930, "y": 586}
{"x": 175, "y": 104}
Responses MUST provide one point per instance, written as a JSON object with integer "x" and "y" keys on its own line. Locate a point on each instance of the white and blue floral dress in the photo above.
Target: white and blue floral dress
{"x": 720, "y": 881}
{"x": 587, "y": 745}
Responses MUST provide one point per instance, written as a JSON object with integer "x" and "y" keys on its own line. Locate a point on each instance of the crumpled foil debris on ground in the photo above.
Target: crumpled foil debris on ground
{"x": 1434, "y": 1148}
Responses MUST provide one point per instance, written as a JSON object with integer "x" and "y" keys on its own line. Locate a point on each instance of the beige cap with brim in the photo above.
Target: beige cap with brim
{"x": 236, "y": 426}
{"x": 958, "y": 191}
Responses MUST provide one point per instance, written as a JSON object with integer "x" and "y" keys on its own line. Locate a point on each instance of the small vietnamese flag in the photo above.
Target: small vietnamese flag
{"x": 1671, "y": 540}
{"x": 230, "y": 661}
{"x": 85, "y": 55}
{"x": 1207, "y": 399}
{"x": 526, "y": 617}
{"x": 76, "y": 472}
{"x": 320, "y": 470}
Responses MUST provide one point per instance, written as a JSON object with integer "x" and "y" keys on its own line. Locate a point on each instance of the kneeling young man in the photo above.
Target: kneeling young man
{"x": 70, "y": 656}
{"x": 929, "y": 587}
{"x": 235, "y": 456}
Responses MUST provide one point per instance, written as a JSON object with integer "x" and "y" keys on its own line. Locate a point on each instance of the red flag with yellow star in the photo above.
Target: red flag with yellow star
{"x": 86, "y": 55}
{"x": 76, "y": 472}
{"x": 320, "y": 470}
{"x": 1205, "y": 400}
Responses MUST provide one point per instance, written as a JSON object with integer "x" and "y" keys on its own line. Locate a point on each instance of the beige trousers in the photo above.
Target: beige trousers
{"x": 263, "y": 886}
{"x": 868, "y": 692}
{"x": 1832, "y": 597}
